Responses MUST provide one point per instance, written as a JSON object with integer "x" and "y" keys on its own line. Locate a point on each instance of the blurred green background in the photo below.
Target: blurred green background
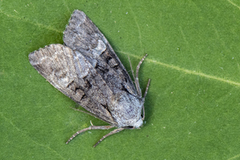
{"x": 193, "y": 106}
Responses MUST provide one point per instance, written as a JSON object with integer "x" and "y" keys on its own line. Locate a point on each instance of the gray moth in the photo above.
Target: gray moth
{"x": 87, "y": 70}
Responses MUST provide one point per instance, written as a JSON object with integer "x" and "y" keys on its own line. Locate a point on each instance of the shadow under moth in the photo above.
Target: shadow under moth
{"x": 87, "y": 70}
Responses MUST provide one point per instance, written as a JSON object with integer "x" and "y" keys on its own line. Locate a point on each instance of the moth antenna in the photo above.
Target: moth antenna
{"x": 136, "y": 79}
{"x": 145, "y": 94}
{"x": 146, "y": 91}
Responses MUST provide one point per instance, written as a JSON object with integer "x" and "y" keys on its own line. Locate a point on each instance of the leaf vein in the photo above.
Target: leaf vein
{"x": 29, "y": 21}
{"x": 186, "y": 71}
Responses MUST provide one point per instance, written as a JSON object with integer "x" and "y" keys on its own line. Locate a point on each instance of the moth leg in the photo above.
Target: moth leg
{"x": 109, "y": 134}
{"x": 147, "y": 88}
{"x": 87, "y": 129}
{"x": 136, "y": 79}
{"x": 143, "y": 111}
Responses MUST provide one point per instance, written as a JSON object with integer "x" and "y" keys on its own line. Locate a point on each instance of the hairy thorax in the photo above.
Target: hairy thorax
{"x": 126, "y": 110}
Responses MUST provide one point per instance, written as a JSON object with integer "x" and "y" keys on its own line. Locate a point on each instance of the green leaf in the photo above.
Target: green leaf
{"x": 192, "y": 108}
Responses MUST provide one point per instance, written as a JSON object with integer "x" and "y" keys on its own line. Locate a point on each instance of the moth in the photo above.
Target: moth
{"x": 87, "y": 70}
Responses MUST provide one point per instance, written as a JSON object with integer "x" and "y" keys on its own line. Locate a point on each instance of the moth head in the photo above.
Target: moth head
{"x": 138, "y": 124}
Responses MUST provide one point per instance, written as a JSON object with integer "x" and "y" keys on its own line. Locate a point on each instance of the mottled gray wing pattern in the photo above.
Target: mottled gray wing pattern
{"x": 83, "y": 36}
{"x": 73, "y": 75}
